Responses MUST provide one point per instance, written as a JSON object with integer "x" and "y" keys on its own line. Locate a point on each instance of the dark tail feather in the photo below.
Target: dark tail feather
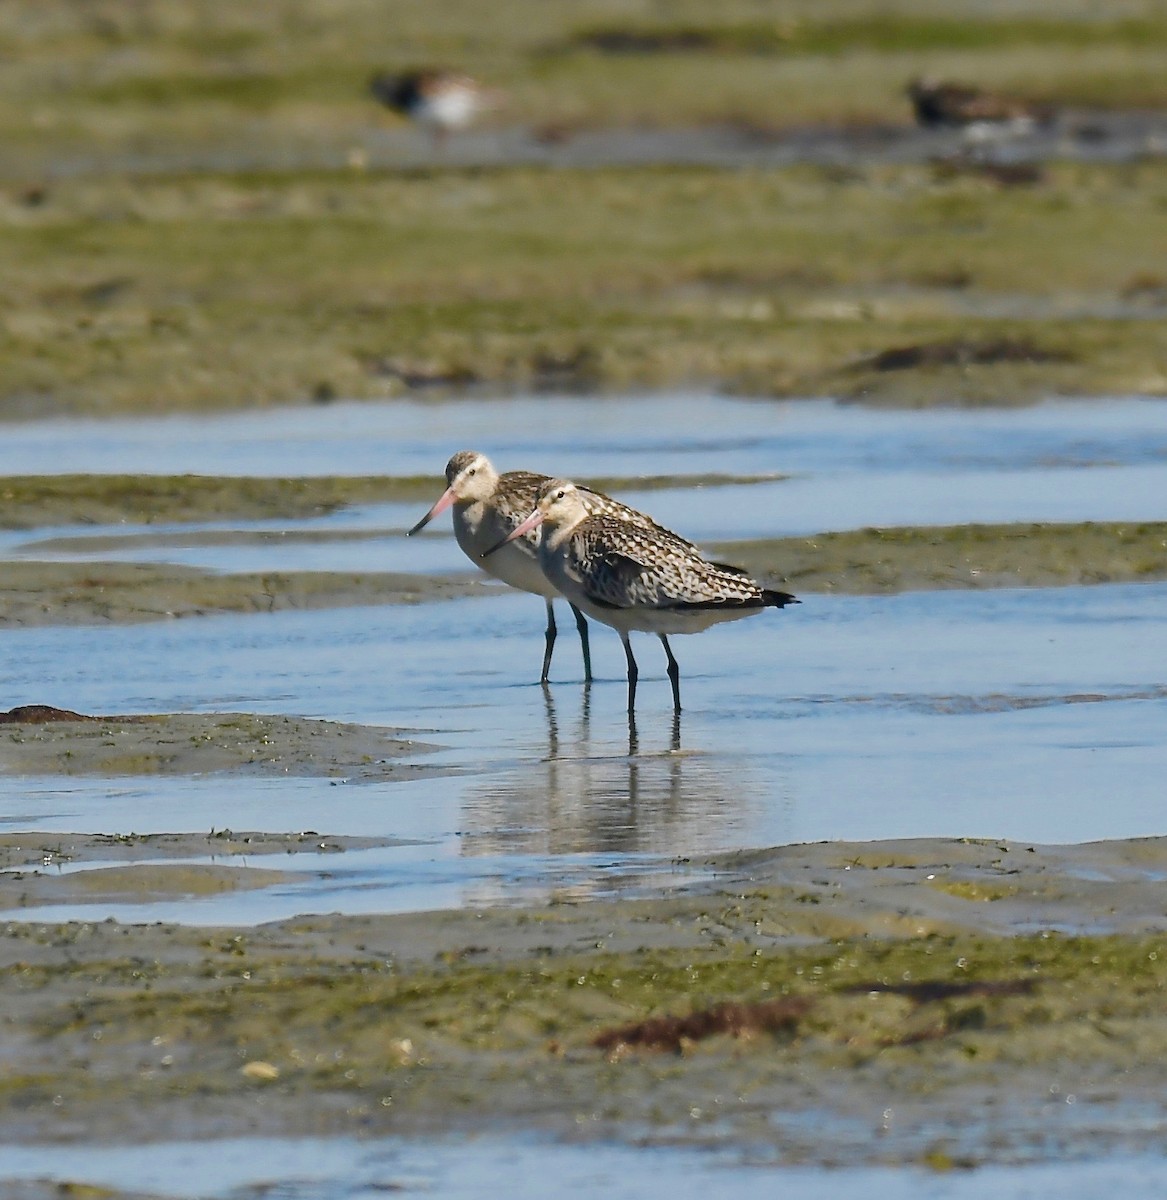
{"x": 729, "y": 568}
{"x": 777, "y": 599}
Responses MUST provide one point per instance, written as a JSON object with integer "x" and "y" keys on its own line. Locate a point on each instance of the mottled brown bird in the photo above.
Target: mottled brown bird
{"x": 488, "y": 507}
{"x": 633, "y": 576}
{"x": 940, "y": 104}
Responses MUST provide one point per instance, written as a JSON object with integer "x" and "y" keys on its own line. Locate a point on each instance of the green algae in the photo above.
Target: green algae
{"x": 863, "y": 561}
{"x": 975, "y": 890}
{"x": 203, "y": 743}
{"x": 88, "y": 593}
{"x": 895, "y": 984}
{"x": 135, "y": 884}
{"x": 31, "y": 501}
{"x": 940, "y": 1013}
{"x": 28, "y": 501}
{"x": 902, "y": 32}
{"x": 961, "y": 556}
{"x": 224, "y": 291}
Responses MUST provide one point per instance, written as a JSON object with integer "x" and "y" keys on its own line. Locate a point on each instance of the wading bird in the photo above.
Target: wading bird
{"x": 487, "y": 509}
{"x": 635, "y": 578}
{"x": 940, "y": 104}
{"x": 438, "y": 100}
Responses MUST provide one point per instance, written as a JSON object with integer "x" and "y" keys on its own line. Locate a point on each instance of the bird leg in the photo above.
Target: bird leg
{"x": 674, "y": 673}
{"x": 582, "y": 625}
{"x": 633, "y": 673}
{"x": 550, "y": 642}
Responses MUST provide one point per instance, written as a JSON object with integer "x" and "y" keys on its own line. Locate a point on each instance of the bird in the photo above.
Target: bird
{"x": 437, "y": 99}
{"x": 940, "y": 104}
{"x": 487, "y": 508}
{"x": 636, "y": 578}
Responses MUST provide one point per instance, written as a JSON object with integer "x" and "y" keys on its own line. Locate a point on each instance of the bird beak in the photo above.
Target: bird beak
{"x": 443, "y": 502}
{"x": 534, "y": 519}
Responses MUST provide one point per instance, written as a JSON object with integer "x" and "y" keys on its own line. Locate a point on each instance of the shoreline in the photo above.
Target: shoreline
{"x": 966, "y": 974}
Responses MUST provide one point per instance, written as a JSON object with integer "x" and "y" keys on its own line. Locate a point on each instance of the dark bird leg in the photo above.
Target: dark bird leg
{"x": 674, "y": 673}
{"x": 633, "y": 673}
{"x": 551, "y": 631}
{"x": 582, "y": 625}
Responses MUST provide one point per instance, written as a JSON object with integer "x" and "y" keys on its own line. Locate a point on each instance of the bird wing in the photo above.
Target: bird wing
{"x": 642, "y": 570}
{"x": 615, "y": 580}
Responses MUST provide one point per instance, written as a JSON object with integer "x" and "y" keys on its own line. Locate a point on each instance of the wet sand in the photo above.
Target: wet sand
{"x": 990, "y": 987}
{"x": 48, "y": 593}
{"x": 143, "y": 868}
{"x": 40, "y": 740}
{"x": 861, "y": 562}
{"x": 1006, "y": 994}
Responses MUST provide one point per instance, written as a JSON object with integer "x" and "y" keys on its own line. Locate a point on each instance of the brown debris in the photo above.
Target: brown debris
{"x": 1003, "y": 174}
{"x": 42, "y": 714}
{"x": 646, "y": 41}
{"x": 961, "y": 352}
{"x": 419, "y": 375}
{"x": 927, "y": 990}
{"x": 672, "y": 1033}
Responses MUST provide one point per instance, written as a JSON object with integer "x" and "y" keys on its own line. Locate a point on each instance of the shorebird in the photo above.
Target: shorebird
{"x": 963, "y": 106}
{"x": 438, "y": 100}
{"x": 636, "y": 578}
{"x": 488, "y": 507}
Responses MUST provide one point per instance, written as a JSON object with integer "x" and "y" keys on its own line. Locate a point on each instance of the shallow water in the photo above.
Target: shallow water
{"x": 674, "y": 433}
{"x": 848, "y": 467}
{"x": 351, "y": 1169}
{"x": 1033, "y": 715}
{"x": 1027, "y": 714}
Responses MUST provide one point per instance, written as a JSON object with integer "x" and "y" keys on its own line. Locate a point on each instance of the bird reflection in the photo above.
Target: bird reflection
{"x": 634, "y": 737}
{"x": 552, "y": 720}
{"x": 590, "y": 794}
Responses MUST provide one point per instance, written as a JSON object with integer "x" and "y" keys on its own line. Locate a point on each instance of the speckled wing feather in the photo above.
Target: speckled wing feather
{"x": 514, "y": 500}
{"x": 624, "y": 566}
{"x": 600, "y": 505}
{"x": 518, "y": 493}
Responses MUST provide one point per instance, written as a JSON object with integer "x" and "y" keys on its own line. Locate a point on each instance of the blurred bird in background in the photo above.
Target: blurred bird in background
{"x": 438, "y": 100}
{"x": 940, "y": 104}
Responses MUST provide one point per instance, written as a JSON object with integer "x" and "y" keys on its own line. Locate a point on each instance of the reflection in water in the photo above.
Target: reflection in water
{"x": 598, "y": 795}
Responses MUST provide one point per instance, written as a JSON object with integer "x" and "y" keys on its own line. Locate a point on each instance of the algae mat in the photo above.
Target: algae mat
{"x": 860, "y": 562}
{"x": 933, "y": 1001}
{"x": 204, "y": 208}
{"x": 890, "y": 284}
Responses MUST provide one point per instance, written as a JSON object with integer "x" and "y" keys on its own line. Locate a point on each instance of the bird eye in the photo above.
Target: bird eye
{"x": 472, "y": 471}
{"x": 560, "y": 494}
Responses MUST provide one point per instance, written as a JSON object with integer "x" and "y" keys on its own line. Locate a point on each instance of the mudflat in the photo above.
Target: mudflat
{"x": 998, "y": 990}
{"x": 1025, "y": 554}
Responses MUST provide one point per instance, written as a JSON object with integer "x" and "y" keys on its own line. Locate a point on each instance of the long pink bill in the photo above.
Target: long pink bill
{"x": 530, "y": 523}
{"x": 443, "y": 502}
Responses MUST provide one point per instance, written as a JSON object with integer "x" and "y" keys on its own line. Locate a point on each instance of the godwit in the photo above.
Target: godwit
{"x": 487, "y": 508}
{"x": 962, "y": 106}
{"x": 636, "y": 578}
{"x": 436, "y": 99}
